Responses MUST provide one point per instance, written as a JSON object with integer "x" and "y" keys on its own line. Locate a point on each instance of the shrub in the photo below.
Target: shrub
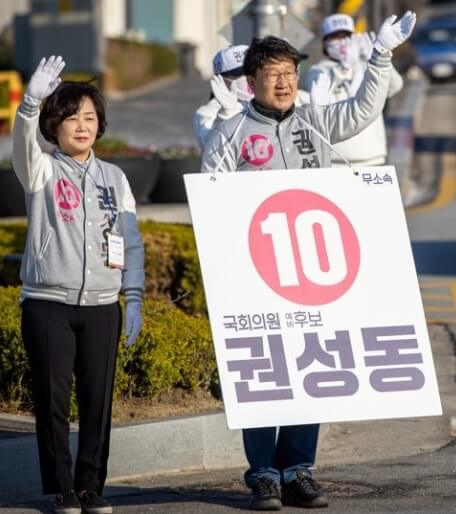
{"x": 171, "y": 263}
{"x": 12, "y": 241}
{"x": 12, "y": 238}
{"x": 173, "y": 350}
{"x": 117, "y": 147}
{"x": 14, "y": 370}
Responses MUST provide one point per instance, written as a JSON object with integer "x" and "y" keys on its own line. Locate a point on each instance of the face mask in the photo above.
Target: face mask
{"x": 242, "y": 89}
{"x": 337, "y": 49}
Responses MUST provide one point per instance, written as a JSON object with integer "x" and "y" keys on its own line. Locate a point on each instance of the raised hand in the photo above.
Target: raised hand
{"x": 320, "y": 93}
{"x": 226, "y": 97}
{"x": 365, "y": 43}
{"x": 45, "y": 78}
{"x": 393, "y": 33}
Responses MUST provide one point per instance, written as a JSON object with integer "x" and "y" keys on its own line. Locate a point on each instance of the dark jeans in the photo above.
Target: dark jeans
{"x": 61, "y": 340}
{"x": 279, "y": 458}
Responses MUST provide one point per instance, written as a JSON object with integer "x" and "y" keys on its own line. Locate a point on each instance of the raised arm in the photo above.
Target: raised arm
{"x": 396, "y": 83}
{"x": 347, "y": 118}
{"x": 33, "y": 167}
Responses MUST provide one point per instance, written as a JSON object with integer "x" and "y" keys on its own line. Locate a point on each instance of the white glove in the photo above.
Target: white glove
{"x": 345, "y": 51}
{"x": 393, "y": 34}
{"x": 320, "y": 93}
{"x": 45, "y": 78}
{"x": 226, "y": 97}
{"x": 351, "y": 57}
{"x": 365, "y": 43}
{"x": 133, "y": 322}
{"x": 240, "y": 87}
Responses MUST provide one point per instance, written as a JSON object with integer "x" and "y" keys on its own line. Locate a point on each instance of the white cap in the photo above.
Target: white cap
{"x": 337, "y": 22}
{"x": 230, "y": 59}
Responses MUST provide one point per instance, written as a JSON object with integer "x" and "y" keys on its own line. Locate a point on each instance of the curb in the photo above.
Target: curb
{"x": 186, "y": 443}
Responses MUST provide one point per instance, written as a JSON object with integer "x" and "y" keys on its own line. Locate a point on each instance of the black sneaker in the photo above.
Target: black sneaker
{"x": 304, "y": 491}
{"x": 265, "y": 495}
{"x": 93, "y": 503}
{"x": 67, "y": 503}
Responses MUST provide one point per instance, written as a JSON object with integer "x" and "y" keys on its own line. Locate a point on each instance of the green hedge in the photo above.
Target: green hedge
{"x": 172, "y": 266}
{"x": 12, "y": 241}
{"x": 173, "y": 350}
{"x": 14, "y": 374}
{"x": 171, "y": 263}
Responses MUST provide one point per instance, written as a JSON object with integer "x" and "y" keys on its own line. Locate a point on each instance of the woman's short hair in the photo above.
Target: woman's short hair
{"x": 269, "y": 48}
{"x": 66, "y": 101}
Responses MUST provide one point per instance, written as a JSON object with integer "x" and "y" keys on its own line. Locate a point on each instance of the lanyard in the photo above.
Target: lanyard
{"x": 84, "y": 167}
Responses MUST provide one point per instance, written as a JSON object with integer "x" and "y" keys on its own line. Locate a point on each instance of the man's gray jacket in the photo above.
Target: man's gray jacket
{"x": 252, "y": 141}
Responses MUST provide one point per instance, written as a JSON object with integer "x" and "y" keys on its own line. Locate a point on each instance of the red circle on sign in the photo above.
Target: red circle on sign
{"x": 292, "y": 203}
{"x": 67, "y": 194}
{"x": 257, "y": 149}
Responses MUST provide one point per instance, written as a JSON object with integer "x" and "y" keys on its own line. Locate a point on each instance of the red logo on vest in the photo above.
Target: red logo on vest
{"x": 257, "y": 149}
{"x": 67, "y": 195}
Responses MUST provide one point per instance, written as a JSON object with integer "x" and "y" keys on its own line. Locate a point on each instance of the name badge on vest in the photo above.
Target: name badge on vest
{"x": 116, "y": 257}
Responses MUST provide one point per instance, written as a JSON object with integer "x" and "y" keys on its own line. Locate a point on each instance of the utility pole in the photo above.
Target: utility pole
{"x": 260, "y": 18}
{"x": 266, "y": 16}
{"x": 375, "y": 10}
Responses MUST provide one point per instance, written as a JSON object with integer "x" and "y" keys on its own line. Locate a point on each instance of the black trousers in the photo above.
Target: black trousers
{"x": 61, "y": 340}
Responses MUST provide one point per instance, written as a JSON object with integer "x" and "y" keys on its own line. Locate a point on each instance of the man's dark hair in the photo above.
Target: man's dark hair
{"x": 66, "y": 101}
{"x": 269, "y": 48}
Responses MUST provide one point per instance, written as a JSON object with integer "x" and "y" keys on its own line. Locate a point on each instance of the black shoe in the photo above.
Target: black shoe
{"x": 265, "y": 495}
{"x": 93, "y": 503}
{"x": 67, "y": 503}
{"x": 304, "y": 491}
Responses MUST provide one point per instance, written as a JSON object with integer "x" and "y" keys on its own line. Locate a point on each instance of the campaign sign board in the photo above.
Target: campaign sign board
{"x": 313, "y": 296}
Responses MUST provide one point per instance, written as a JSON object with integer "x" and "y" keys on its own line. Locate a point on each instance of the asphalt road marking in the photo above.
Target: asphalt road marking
{"x": 439, "y": 299}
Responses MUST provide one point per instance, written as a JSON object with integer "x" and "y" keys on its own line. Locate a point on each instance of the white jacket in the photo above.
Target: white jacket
{"x": 368, "y": 148}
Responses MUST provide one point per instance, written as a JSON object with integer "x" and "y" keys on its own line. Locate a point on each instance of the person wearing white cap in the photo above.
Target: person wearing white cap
{"x": 230, "y": 92}
{"x": 229, "y": 89}
{"x": 347, "y": 56}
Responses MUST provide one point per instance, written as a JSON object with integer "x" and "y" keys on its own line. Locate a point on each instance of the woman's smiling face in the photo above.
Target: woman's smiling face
{"x": 77, "y": 133}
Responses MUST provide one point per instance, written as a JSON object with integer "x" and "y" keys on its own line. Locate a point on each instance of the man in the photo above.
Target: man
{"x": 230, "y": 92}
{"x": 348, "y": 54}
{"x": 273, "y": 134}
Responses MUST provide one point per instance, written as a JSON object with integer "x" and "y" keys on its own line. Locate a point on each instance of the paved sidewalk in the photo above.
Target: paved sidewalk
{"x": 406, "y": 465}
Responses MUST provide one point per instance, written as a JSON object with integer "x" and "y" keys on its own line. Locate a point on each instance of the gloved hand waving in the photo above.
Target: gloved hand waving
{"x": 320, "y": 91}
{"x": 133, "y": 322}
{"x": 45, "y": 78}
{"x": 365, "y": 42}
{"x": 351, "y": 57}
{"x": 392, "y": 33}
{"x": 345, "y": 51}
{"x": 226, "y": 97}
